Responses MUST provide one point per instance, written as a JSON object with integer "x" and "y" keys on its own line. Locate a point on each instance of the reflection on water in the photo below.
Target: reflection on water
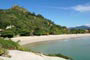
{"x": 77, "y": 48}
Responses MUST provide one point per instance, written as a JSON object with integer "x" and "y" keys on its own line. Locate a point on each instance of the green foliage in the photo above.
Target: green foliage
{"x": 9, "y": 44}
{"x": 39, "y": 15}
{"x": 25, "y": 23}
{"x": 4, "y": 52}
{"x": 39, "y": 31}
{"x": 1, "y": 51}
{"x": 24, "y": 32}
{"x": 76, "y": 31}
{"x": 7, "y": 33}
{"x": 60, "y": 55}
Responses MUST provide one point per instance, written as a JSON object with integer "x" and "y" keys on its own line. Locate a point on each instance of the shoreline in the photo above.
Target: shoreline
{"x": 32, "y": 39}
{"x": 21, "y": 55}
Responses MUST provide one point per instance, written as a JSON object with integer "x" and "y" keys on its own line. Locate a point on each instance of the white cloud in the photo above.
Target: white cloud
{"x": 63, "y": 8}
{"x": 82, "y": 8}
{"x": 87, "y": 25}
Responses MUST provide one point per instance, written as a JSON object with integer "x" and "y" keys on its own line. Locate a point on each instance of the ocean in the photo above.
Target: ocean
{"x": 76, "y": 48}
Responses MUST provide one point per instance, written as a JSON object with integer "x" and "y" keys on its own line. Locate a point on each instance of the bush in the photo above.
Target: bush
{"x": 24, "y": 32}
{"x": 39, "y": 31}
{"x": 1, "y": 51}
{"x": 9, "y": 44}
{"x": 7, "y": 33}
{"x": 60, "y": 55}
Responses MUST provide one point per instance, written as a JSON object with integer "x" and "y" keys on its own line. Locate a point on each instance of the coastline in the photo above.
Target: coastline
{"x": 32, "y": 39}
{"x": 21, "y": 55}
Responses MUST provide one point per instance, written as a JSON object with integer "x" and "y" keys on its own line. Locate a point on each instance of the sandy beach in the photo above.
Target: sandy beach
{"x": 31, "y": 39}
{"x": 34, "y": 56}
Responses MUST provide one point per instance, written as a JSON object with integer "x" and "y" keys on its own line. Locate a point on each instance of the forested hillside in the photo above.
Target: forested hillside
{"x": 19, "y": 21}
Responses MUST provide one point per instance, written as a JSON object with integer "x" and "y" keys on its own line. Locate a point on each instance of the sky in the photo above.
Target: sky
{"x": 68, "y": 13}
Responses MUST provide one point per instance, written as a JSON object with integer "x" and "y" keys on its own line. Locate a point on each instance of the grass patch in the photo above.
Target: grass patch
{"x": 60, "y": 55}
{"x": 6, "y": 45}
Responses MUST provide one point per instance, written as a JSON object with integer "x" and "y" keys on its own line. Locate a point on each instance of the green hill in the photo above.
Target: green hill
{"x": 19, "y": 21}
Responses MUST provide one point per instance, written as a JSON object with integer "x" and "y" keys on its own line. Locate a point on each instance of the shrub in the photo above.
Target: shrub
{"x": 1, "y": 51}
{"x": 24, "y": 32}
{"x": 9, "y": 44}
{"x": 7, "y": 33}
{"x": 39, "y": 31}
{"x": 60, "y": 55}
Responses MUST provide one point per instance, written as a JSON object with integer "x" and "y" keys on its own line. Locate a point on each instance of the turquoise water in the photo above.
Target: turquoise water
{"x": 77, "y": 48}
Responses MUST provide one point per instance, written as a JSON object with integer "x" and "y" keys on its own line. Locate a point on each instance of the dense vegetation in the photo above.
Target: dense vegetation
{"x": 76, "y": 31}
{"x": 19, "y": 21}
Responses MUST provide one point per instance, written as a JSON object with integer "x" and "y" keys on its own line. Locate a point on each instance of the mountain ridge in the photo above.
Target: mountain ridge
{"x": 84, "y": 27}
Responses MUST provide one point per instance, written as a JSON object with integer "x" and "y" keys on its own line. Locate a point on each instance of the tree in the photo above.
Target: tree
{"x": 7, "y": 33}
{"x": 39, "y": 31}
{"x": 39, "y": 15}
{"x": 76, "y": 31}
{"x": 24, "y": 32}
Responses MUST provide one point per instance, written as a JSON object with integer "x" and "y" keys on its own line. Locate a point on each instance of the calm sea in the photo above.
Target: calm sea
{"x": 77, "y": 48}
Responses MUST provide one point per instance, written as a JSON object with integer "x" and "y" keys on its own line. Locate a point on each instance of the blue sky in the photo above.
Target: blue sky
{"x": 63, "y": 12}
